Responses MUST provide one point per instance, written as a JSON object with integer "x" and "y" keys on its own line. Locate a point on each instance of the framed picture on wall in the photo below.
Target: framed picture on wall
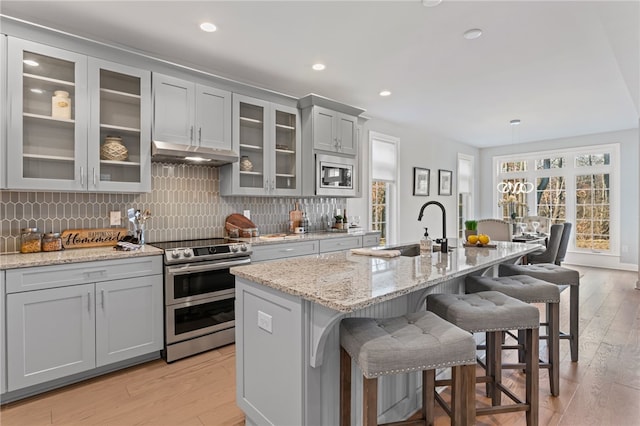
{"x": 421, "y": 178}
{"x": 444, "y": 182}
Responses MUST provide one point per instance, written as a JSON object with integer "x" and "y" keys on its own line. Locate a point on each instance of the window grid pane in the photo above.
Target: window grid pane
{"x": 551, "y": 196}
{"x": 379, "y": 207}
{"x": 593, "y": 211}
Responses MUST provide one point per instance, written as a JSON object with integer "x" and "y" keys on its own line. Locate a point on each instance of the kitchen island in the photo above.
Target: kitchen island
{"x": 287, "y": 318}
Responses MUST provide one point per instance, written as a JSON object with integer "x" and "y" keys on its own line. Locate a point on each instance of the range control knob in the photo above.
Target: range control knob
{"x": 243, "y": 247}
{"x": 234, "y": 248}
{"x": 187, "y": 253}
{"x": 175, "y": 254}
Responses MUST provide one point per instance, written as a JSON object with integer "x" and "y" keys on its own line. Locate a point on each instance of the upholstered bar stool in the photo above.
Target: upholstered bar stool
{"x": 563, "y": 277}
{"x": 419, "y": 341}
{"x": 530, "y": 290}
{"x": 492, "y": 312}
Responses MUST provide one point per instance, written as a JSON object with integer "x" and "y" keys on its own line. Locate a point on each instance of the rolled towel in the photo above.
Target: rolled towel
{"x": 376, "y": 253}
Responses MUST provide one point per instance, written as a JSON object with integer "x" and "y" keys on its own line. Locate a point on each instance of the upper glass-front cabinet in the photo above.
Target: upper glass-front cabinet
{"x": 57, "y": 139}
{"x": 119, "y": 129}
{"x": 48, "y": 120}
{"x": 268, "y": 139}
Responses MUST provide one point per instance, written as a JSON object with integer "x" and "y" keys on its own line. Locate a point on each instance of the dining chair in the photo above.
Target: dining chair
{"x": 496, "y": 229}
{"x": 550, "y": 253}
{"x": 564, "y": 243}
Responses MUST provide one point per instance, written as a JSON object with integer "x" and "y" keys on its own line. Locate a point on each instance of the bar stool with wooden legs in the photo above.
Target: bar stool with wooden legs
{"x": 492, "y": 312}
{"x": 530, "y": 290}
{"x": 419, "y": 341}
{"x": 563, "y": 277}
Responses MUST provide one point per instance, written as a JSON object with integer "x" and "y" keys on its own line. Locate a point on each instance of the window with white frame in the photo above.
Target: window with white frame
{"x": 574, "y": 185}
{"x": 384, "y": 178}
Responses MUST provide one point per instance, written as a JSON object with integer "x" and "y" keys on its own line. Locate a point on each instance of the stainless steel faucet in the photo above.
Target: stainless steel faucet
{"x": 442, "y": 241}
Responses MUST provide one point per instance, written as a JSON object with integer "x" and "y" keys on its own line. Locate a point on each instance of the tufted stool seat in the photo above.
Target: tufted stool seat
{"x": 419, "y": 341}
{"x": 529, "y": 290}
{"x": 563, "y": 277}
{"x": 493, "y": 312}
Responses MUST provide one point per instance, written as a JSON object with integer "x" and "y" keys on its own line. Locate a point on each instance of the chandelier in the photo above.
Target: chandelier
{"x": 514, "y": 188}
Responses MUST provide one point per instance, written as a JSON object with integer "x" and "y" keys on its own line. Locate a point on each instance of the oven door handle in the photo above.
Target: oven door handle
{"x": 189, "y": 268}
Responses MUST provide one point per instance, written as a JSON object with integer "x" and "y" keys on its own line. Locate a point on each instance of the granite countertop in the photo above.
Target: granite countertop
{"x": 25, "y": 260}
{"x": 310, "y": 236}
{"x": 347, "y": 282}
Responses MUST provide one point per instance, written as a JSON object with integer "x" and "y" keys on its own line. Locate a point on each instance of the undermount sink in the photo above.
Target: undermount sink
{"x": 413, "y": 250}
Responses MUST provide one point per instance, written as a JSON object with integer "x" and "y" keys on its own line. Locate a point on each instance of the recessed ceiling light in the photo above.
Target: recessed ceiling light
{"x": 385, "y": 93}
{"x": 38, "y": 91}
{"x": 431, "y": 3}
{"x": 318, "y": 67}
{"x": 515, "y": 122}
{"x": 30, "y": 62}
{"x": 472, "y": 33}
{"x": 208, "y": 27}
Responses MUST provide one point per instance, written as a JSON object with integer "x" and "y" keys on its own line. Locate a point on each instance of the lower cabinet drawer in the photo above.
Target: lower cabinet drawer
{"x": 282, "y": 251}
{"x": 371, "y": 240}
{"x": 337, "y": 244}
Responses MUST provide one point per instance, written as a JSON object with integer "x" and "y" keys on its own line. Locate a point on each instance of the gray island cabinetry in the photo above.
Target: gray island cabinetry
{"x": 287, "y": 317}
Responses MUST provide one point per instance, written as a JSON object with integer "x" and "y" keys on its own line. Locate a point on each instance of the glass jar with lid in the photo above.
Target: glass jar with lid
{"x": 51, "y": 242}
{"x": 30, "y": 240}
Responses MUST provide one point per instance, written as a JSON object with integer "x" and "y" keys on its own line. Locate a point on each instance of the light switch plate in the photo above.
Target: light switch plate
{"x": 115, "y": 218}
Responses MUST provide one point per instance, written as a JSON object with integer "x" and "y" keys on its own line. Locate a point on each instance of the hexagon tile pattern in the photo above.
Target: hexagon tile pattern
{"x": 185, "y": 203}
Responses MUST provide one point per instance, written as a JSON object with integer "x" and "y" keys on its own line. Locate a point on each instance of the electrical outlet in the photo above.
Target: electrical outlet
{"x": 115, "y": 218}
{"x": 264, "y": 322}
{"x": 247, "y": 214}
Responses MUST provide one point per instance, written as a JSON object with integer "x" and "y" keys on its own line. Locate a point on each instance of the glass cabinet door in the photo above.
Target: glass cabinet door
{"x": 119, "y": 127}
{"x": 252, "y": 133}
{"x": 47, "y": 128}
{"x": 287, "y": 150}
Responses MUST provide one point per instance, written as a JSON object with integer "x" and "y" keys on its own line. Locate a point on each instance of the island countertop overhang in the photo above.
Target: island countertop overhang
{"x": 347, "y": 282}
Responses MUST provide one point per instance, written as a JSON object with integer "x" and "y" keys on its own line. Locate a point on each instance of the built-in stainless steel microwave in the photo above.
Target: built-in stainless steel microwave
{"x": 336, "y": 176}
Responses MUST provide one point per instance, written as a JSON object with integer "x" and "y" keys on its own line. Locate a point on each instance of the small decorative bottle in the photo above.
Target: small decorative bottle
{"x": 61, "y": 105}
{"x": 426, "y": 244}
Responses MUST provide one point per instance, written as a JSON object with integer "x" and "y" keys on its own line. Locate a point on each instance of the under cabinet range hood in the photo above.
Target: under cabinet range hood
{"x": 177, "y": 153}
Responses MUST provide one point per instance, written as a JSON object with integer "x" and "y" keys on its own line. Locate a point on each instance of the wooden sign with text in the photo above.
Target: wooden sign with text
{"x": 83, "y": 238}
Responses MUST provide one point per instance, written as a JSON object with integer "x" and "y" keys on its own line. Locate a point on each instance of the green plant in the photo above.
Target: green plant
{"x": 471, "y": 225}
{"x": 338, "y": 218}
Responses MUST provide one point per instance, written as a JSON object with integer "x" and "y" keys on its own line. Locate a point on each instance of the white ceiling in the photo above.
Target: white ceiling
{"x": 564, "y": 68}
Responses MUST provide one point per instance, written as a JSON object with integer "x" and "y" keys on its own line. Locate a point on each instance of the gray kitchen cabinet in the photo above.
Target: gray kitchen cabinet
{"x": 334, "y": 131}
{"x": 263, "y": 253}
{"x": 190, "y": 114}
{"x": 3, "y": 108}
{"x": 68, "y": 319}
{"x": 57, "y": 139}
{"x": 268, "y": 138}
{"x": 338, "y": 244}
{"x": 371, "y": 240}
{"x": 3, "y": 346}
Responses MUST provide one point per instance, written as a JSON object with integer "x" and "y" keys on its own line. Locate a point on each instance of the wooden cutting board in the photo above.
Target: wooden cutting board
{"x": 295, "y": 216}
{"x": 239, "y": 222}
{"x": 83, "y": 238}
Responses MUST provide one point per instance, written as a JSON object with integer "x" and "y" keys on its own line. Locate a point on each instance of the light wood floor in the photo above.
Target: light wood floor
{"x": 603, "y": 388}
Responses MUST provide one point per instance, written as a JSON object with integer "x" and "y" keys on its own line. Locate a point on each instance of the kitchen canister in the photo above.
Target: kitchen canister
{"x": 113, "y": 149}
{"x": 51, "y": 242}
{"x": 245, "y": 164}
{"x": 61, "y": 105}
{"x": 30, "y": 240}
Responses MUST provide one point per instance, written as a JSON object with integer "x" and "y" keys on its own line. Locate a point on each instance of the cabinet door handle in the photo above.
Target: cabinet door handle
{"x": 89, "y": 301}
{"x": 94, "y": 176}
{"x": 104, "y": 301}
{"x": 273, "y": 184}
{"x": 199, "y": 135}
{"x": 191, "y": 134}
{"x": 82, "y": 176}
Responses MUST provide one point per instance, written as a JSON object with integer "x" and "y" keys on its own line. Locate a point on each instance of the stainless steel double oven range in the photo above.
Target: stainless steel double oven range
{"x": 199, "y": 294}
